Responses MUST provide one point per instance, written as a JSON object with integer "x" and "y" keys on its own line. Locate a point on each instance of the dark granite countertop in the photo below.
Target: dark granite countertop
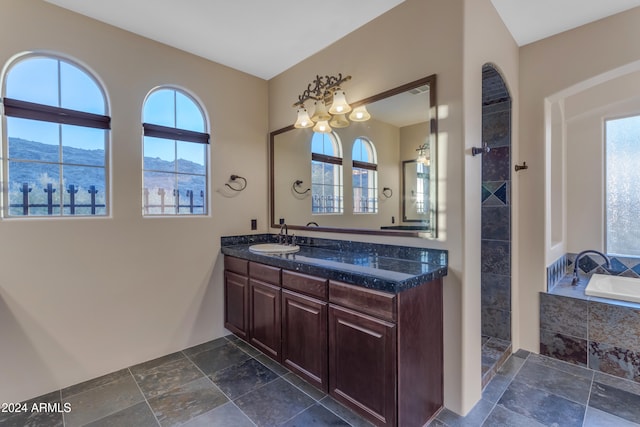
{"x": 386, "y": 268}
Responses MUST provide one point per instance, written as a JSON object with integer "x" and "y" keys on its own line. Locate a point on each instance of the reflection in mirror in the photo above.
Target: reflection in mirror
{"x": 415, "y": 192}
{"x": 351, "y": 180}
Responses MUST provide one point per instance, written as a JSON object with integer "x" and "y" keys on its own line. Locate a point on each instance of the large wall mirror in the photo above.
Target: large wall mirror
{"x": 372, "y": 177}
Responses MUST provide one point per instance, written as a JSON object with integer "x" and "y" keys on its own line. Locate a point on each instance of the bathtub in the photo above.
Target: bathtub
{"x": 616, "y": 287}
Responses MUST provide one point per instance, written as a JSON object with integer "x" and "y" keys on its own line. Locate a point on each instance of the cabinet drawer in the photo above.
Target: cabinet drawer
{"x": 375, "y": 303}
{"x": 308, "y": 285}
{"x": 237, "y": 265}
{"x": 265, "y": 273}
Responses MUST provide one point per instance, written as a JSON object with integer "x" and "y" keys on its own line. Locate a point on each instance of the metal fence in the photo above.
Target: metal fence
{"x": 26, "y": 206}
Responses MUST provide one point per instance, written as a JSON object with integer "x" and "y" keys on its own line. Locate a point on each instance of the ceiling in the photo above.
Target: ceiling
{"x": 533, "y": 20}
{"x": 264, "y": 38}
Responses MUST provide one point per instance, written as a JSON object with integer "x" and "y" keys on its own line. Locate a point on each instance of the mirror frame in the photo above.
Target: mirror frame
{"x": 433, "y": 126}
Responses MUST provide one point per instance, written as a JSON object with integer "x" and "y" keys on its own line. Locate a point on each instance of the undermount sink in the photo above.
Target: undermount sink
{"x": 274, "y": 248}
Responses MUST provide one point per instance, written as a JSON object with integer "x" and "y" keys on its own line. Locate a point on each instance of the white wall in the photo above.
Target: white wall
{"x": 83, "y": 297}
{"x": 552, "y": 70}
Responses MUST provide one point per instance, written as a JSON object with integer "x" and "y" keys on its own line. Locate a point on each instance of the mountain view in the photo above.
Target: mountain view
{"x": 82, "y": 177}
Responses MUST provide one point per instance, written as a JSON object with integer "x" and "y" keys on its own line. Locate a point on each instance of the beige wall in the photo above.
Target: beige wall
{"x": 550, "y": 71}
{"x": 486, "y": 41}
{"x": 83, "y": 297}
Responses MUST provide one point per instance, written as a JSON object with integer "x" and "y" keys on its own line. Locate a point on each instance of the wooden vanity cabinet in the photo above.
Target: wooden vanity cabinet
{"x": 362, "y": 363}
{"x": 236, "y": 296}
{"x": 304, "y": 327}
{"x": 378, "y": 353}
{"x": 385, "y": 352}
{"x": 264, "y": 309}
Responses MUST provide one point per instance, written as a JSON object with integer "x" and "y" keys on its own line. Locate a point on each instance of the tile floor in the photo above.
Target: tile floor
{"x": 227, "y": 383}
{"x": 530, "y": 390}
{"x": 494, "y": 353}
{"x": 224, "y": 383}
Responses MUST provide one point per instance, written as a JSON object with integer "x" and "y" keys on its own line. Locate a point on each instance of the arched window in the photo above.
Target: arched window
{"x": 326, "y": 174}
{"x": 175, "y": 154}
{"x": 365, "y": 177}
{"x": 56, "y": 140}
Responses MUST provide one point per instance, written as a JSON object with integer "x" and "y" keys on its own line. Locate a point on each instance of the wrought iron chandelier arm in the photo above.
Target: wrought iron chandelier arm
{"x": 317, "y": 90}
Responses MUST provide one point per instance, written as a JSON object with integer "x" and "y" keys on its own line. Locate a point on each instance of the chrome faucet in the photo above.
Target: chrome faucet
{"x": 576, "y": 278}
{"x": 283, "y": 227}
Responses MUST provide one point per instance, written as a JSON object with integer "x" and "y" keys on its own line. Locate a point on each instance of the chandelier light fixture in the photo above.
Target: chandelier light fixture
{"x": 327, "y": 91}
{"x": 423, "y": 154}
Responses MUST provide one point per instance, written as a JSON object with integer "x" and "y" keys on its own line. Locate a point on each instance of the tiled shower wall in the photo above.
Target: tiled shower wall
{"x": 496, "y": 208}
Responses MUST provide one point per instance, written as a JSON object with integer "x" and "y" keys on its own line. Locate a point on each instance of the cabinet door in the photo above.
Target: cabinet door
{"x": 236, "y": 304}
{"x": 304, "y": 337}
{"x": 264, "y": 301}
{"x": 362, "y": 364}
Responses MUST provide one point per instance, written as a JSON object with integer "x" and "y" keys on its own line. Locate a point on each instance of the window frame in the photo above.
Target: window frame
{"x": 176, "y": 135}
{"x": 370, "y": 166}
{"x": 338, "y": 174}
{"x": 605, "y": 196}
{"x": 20, "y": 109}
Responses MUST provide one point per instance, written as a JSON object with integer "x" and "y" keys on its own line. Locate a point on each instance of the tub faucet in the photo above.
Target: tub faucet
{"x": 576, "y": 278}
{"x": 283, "y": 227}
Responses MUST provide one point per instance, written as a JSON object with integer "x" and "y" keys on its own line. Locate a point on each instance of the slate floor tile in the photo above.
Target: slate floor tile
{"x": 151, "y": 364}
{"x": 614, "y": 401}
{"x": 186, "y": 402}
{"x": 498, "y": 384}
{"x": 93, "y": 383}
{"x": 242, "y": 378}
{"x": 598, "y": 418}
{"x": 209, "y": 345}
{"x": 511, "y": 367}
{"x": 98, "y": 402}
{"x": 25, "y": 415}
{"x": 317, "y": 416}
{"x": 249, "y": 349}
{"x": 274, "y": 403}
{"x": 617, "y": 382}
{"x": 227, "y": 415}
{"x": 502, "y": 417}
{"x": 138, "y": 415}
{"x": 544, "y": 407}
{"x": 304, "y": 386}
{"x": 162, "y": 378}
{"x": 554, "y": 381}
{"x": 346, "y": 414}
{"x": 271, "y": 364}
{"x": 213, "y": 360}
{"x": 560, "y": 365}
{"x": 474, "y": 418}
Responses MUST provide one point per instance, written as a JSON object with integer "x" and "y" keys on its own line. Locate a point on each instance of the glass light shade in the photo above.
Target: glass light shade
{"x": 322, "y": 127}
{"x": 340, "y": 104}
{"x": 359, "y": 114}
{"x": 320, "y": 113}
{"x": 303, "y": 119}
{"x": 339, "y": 121}
{"x": 422, "y": 158}
{"x": 423, "y": 155}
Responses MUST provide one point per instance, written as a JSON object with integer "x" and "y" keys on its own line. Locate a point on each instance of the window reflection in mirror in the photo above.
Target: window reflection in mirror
{"x": 346, "y": 170}
{"x": 415, "y": 192}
